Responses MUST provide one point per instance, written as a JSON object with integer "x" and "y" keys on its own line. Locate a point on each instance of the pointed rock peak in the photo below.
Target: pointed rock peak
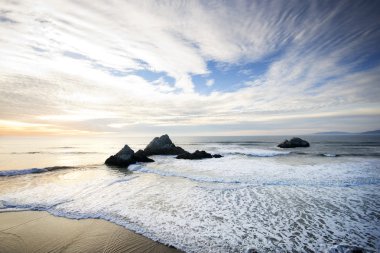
{"x": 123, "y": 158}
{"x": 160, "y": 142}
{"x": 165, "y": 139}
{"x": 162, "y": 146}
{"x": 126, "y": 150}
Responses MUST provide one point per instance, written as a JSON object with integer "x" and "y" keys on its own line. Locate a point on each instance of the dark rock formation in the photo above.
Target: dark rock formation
{"x": 126, "y": 156}
{"x": 158, "y": 146}
{"x": 162, "y": 146}
{"x": 294, "y": 143}
{"x": 347, "y": 249}
{"x": 123, "y": 158}
{"x": 197, "y": 155}
{"x": 140, "y": 156}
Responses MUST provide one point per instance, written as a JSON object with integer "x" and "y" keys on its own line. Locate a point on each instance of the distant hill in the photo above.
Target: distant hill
{"x": 333, "y": 132}
{"x": 338, "y": 132}
{"x": 372, "y": 132}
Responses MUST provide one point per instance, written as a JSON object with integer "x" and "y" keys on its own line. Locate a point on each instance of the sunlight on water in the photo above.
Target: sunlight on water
{"x": 256, "y": 196}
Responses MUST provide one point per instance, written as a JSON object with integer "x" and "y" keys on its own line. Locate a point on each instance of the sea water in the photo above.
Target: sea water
{"x": 316, "y": 199}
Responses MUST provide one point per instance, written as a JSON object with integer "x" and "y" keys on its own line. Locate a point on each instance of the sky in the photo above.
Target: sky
{"x": 135, "y": 68}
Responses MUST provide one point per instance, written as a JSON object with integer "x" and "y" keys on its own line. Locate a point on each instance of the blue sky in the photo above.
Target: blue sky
{"x": 189, "y": 67}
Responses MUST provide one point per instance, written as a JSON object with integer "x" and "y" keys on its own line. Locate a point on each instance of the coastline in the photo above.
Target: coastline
{"x": 40, "y": 231}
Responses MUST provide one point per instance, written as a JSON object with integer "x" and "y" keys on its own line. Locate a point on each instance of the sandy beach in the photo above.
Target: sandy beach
{"x": 32, "y": 231}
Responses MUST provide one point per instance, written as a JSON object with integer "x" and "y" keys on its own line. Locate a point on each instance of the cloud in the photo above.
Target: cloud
{"x": 79, "y": 66}
{"x": 210, "y": 82}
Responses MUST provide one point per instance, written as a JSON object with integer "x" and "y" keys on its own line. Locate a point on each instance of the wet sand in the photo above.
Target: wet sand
{"x": 32, "y": 231}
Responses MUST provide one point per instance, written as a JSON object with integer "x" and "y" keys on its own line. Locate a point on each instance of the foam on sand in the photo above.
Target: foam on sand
{"x": 199, "y": 217}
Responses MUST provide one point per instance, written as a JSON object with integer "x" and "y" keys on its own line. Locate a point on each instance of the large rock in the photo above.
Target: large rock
{"x": 123, "y": 158}
{"x": 140, "y": 156}
{"x": 126, "y": 156}
{"x": 197, "y": 155}
{"x": 162, "y": 146}
{"x": 294, "y": 143}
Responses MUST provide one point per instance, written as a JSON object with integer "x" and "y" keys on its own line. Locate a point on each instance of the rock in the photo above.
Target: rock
{"x": 158, "y": 146}
{"x": 140, "y": 156}
{"x": 294, "y": 143}
{"x": 346, "y": 249}
{"x": 197, "y": 155}
{"x": 126, "y": 156}
{"x": 162, "y": 146}
{"x": 251, "y": 251}
{"x": 123, "y": 158}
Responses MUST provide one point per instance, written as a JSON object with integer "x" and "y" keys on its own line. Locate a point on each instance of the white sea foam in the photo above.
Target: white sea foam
{"x": 261, "y": 153}
{"x": 263, "y": 172}
{"x": 270, "y": 205}
{"x": 247, "y": 150}
{"x": 254, "y": 197}
{"x": 330, "y": 155}
{"x": 209, "y": 220}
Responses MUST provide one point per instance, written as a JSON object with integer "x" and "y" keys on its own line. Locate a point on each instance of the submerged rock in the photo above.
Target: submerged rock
{"x": 346, "y": 249}
{"x": 162, "y": 146}
{"x": 197, "y": 155}
{"x": 294, "y": 143}
{"x": 123, "y": 158}
{"x": 140, "y": 156}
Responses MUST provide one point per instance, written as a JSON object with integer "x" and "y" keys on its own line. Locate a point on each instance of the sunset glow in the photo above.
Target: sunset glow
{"x": 190, "y": 68}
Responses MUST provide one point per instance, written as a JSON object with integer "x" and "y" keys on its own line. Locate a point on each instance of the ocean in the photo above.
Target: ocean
{"x": 257, "y": 196}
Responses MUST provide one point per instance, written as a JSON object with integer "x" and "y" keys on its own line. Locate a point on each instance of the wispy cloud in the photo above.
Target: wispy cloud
{"x": 80, "y": 65}
{"x": 210, "y": 82}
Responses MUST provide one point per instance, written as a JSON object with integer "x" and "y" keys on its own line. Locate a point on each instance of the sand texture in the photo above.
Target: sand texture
{"x": 30, "y": 231}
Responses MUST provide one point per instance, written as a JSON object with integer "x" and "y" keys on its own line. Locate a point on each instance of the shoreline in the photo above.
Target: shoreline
{"x": 40, "y": 231}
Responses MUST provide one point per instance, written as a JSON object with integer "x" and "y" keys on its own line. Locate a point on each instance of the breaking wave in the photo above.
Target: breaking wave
{"x": 9, "y": 173}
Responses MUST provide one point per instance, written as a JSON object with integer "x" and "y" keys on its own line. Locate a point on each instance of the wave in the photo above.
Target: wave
{"x": 253, "y": 152}
{"x": 330, "y": 155}
{"x": 9, "y": 173}
{"x": 119, "y": 220}
{"x": 360, "y": 154}
{"x": 140, "y": 168}
{"x": 348, "y": 155}
{"x": 265, "y": 153}
{"x": 55, "y": 153}
{"x": 241, "y": 143}
{"x": 337, "y": 154}
{"x": 259, "y": 182}
{"x": 179, "y": 223}
{"x": 122, "y": 180}
{"x": 140, "y": 229}
{"x": 185, "y": 213}
{"x": 273, "y": 153}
